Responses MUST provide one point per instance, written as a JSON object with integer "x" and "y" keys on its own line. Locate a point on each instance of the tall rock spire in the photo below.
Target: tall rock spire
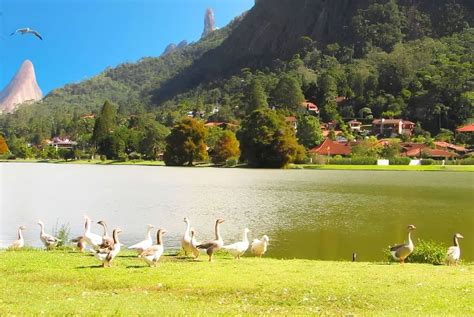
{"x": 22, "y": 88}
{"x": 209, "y": 22}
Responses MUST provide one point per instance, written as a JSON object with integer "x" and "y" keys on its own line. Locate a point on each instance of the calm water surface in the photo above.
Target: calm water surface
{"x": 306, "y": 213}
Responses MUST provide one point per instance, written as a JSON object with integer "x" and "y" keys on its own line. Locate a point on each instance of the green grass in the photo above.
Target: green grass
{"x": 61, "y": 282}
{"x": 446, "y": 168}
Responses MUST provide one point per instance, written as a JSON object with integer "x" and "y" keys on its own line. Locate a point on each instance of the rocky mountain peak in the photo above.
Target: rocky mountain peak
{"x": 21, "y": 89}
{"x": 209, "y": 22}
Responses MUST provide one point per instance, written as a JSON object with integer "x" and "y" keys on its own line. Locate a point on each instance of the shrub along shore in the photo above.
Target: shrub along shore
{"x": 447, "y": 168}
{"x": 67, "y": 282}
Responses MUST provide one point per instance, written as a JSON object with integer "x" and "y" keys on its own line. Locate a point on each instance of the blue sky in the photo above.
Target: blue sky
{"x": 83, "y": 37}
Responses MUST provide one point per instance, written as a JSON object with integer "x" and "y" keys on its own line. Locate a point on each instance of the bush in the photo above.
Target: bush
{"x": 103, "y": 158}
{"x": 231, "y": 162}
{"x": 318, "y": 159}
{"x": 63, "y": 233}
{"x": 353, "y": 161}
{"x": 428, "y": 162}
{"x": 425, "y": 252}
{"x": 466, "y": 161}
{"x": 400, "y": 161}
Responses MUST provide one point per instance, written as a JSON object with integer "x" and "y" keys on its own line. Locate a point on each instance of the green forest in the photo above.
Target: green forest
{"x": 395, "y": 60}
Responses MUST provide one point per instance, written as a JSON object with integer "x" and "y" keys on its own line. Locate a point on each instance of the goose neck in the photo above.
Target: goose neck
{"x": 42, "y": 227}
{"x": 456, "y": 242}
{"x": 217, "y": 231}
{"x": 20, "y": 234}
{"x": 104, "y": 226}
{"x": 246, "y": 236}
{"x": 409, "y": 238}
{"x": 159, "y": 237}
{"x": 115, "y": 237}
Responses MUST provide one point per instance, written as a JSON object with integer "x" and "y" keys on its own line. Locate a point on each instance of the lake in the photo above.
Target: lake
{"x": 309, "y": 214}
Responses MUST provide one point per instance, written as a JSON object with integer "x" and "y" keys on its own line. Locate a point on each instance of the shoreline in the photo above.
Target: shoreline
{"x": 327, "y": 167}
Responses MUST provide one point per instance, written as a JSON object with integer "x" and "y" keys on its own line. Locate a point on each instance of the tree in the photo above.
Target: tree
{"x": 186, "y": 143}
{"x": 105, "y": 123}
{"x": 227, "y": 147}
{"x": 379, "y": 25}
{"x": 153, "y": 140}
{"x": 367, "y": 148}
{"x": 112, "y": 146}
{"x": 267, "y": 141}
{"x": 255, "y": 96}
{"x": 391, "y": 150}
{"x": 288, "y": 94}
{"x": 309, "y": 131}
{"x": 3, "y": 146}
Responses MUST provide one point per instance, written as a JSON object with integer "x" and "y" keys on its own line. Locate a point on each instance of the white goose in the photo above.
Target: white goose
{"x": 94, "y": 240}
{"x": 454, "y": 252}
{"x": 20, "y": 241}
{"x": 238, "y": 249}
{"x": 194, "y": 244}
{"x": 259, "y": 247}
{"x": 212, "y": 246}
{"x": 142, "y": 245}
{"x": 186, "y": 241}
{"x": 48, "y": 240}
{"x": 152, "y": 254}
{"x": 107, "y": 255}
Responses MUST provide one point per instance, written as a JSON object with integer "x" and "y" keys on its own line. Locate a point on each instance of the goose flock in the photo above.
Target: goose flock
{"x": 105, "y": 247}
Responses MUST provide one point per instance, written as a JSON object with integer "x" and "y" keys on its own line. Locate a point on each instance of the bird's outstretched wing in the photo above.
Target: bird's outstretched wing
{"x": 18, "y": 30}
{"x": 37, "y": 34}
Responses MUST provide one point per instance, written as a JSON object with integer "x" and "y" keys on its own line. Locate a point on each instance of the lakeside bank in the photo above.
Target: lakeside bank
{"x": 67, "y": 282}
{"x": 430, "y": 168}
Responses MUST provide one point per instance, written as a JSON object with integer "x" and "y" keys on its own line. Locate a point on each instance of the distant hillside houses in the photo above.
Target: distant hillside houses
{"x": 60, "y": 143}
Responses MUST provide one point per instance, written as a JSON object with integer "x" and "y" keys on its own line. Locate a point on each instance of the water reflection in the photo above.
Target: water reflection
{"x": 307, "y": 214}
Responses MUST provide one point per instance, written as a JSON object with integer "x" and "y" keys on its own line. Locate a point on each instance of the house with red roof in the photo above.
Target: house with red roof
{"x": 466, "y": 128}
{"x": 419, "y": 150}
{"x": 331, "y": 148}
{"x": 311, "y": 107}
{"x": 389, "y": 127}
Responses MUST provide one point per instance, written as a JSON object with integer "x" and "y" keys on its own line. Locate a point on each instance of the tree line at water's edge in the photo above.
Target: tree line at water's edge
{"x": 397, "y": 65}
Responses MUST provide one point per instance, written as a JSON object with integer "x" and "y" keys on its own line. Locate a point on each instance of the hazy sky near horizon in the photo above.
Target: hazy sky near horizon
{"x": 83, "y": 37}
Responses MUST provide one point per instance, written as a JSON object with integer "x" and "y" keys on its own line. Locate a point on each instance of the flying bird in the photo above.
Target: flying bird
{"x": 24, "y": 31}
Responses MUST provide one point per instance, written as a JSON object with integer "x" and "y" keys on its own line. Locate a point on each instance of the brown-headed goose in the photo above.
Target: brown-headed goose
{"x": 48, "y": 240}
{"x": 259, "y": 247}
{"x": 152, "y": 254}
{"x": 107, "y": 241}
{"x": 238, "y": 249}
{"x": 402, "y": 251}
{"x": 212, "y": 246}
{"x": 107, "y": 255}
{"x": 20, "y": 241}
{"x": 145, "y": 244}
{"x": 454, "y": 252}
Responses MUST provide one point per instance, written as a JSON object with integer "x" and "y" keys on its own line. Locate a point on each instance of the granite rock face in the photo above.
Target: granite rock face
{"x": 21, "y": 89}
{"x": 209, "y": 22}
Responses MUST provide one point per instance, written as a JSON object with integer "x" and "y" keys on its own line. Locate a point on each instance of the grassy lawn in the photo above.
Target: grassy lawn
{"x": 62, "y": 282}
{"x": 446, "y": 168}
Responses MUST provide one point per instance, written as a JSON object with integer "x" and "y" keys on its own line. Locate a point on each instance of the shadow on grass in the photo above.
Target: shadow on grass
{"x": 90, "y": 267}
